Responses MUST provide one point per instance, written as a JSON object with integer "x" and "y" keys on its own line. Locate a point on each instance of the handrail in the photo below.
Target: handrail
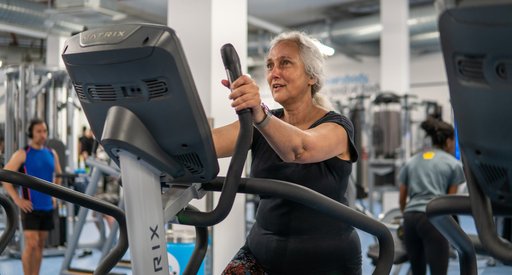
{"x": 313, "y": 199}
{"x": 11, "y": 221}
{"x": 81, "y": 199}
{"x": 439, "y": 211}
{"x": 483, "y": 215}
{"x": 200, "y": 248}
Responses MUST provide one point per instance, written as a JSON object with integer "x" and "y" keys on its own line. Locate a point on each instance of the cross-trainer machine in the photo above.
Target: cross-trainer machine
{"x": 138, "y": 94}
{"x": 477, "y": 54}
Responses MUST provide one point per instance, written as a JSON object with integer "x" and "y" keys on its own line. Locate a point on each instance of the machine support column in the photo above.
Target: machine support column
{"x": 144, "y": 215}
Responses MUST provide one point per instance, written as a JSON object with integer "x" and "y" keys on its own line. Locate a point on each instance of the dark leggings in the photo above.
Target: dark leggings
{"x": 244, "y": 263}
{"x": 425, "y": 245}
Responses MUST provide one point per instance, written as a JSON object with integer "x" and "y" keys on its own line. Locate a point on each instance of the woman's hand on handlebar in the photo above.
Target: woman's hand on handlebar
{"x": 245, "y": 94}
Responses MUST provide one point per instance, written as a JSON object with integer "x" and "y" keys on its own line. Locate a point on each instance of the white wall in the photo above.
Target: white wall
{"x": 347, "y": 76}
{"x": 428, "y": 81}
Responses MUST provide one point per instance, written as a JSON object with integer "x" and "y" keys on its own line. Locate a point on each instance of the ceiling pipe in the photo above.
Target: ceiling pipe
{"x": 359, "y": 36}
{"x": 368, "y": 28}
{"x": 364, "y": 31}
{"x": 23, "y": 31}
{"x": 262, "y": 24}
{"x": 36, "y": 20}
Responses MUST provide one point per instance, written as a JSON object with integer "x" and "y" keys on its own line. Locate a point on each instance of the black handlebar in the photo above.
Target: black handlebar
{"x": 231, "y": 62}
{"x": 232, "y": 179}
{"x": 439, "y": 212}
{"x": 324, "y": 204}
{"x": 81, "y": 199}
{"x": 232, "y": 65}
{"x": 200, "y": 248}
{"x": 483, "y": 214}
{"x": 11, "y": 221}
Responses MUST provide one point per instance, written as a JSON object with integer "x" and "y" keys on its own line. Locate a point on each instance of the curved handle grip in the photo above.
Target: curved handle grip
{"x": 231, "y": 62}
{"x": 232, "y": 65}
{"x": 11, "y": 222}
{"x": 64, "y": 193}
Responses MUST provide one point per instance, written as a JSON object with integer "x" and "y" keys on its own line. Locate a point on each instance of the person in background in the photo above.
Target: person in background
{"x": 36, "y": 208}
{"x": 304, "y": 143}
{"x": 85, "y": 145}
{"x": 431, "y": 173}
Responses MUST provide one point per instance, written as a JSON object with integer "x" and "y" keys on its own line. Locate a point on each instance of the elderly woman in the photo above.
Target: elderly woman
{"x": 304, "y": 143}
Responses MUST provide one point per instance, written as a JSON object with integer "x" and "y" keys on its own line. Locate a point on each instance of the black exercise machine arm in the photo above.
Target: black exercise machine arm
{"x": 472, "y": 34}
{"x": 81, "y": 199}
{"x": 11, "y": 221}
{"x": 200, "y": 248}
{"x": 231, "y": 184}
{"x": 439, "y": 212}
{"x": 482, "y": 210}
{"x": 324, "y": 204}
{"x": 236, "y": 165}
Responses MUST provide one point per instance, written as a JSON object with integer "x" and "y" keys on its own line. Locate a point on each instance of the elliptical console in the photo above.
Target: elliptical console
{"x": 143, "y": 69}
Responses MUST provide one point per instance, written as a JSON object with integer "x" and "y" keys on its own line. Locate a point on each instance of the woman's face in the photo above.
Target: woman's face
{"x": 286, "y": 74}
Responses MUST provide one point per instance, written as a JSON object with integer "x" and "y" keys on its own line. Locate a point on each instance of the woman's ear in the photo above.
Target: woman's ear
{"x": 311, "y": 80}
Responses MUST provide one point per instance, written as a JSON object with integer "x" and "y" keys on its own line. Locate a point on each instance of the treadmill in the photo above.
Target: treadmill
{"x": 139, "y": 97}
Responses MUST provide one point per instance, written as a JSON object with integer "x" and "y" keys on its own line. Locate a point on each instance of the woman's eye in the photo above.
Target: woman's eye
{"x": 285, "y": 62}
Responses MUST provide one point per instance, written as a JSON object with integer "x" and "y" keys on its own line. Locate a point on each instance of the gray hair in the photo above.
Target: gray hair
{"x": 311, "y": 56}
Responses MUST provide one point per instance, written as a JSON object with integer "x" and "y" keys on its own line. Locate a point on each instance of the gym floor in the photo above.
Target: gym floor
{"x": 52, "y": 265}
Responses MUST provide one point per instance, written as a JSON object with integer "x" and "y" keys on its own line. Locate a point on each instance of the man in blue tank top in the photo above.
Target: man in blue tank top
{"x": 36, "y": 208}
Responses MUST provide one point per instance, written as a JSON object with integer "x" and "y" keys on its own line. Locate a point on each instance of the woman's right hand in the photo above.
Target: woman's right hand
{"x": 245, "y": 94}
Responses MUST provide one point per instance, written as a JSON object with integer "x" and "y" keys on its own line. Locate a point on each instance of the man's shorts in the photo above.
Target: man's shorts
{"x": 41, "y": 220}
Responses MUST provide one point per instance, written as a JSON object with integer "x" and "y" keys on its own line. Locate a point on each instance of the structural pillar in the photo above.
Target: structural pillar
{"x": 395, "y": 77}
{"x": 203, "y": 26}
{"x": 394, "y": 46}
{"x": 54, "y": 48}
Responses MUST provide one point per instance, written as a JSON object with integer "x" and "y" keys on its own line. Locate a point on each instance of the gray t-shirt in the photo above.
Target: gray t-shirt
{"x": 429, "y": 174}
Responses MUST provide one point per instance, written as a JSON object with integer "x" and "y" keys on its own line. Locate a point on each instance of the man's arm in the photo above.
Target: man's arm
{"x": 58, "y": 169}
{"x": 14, "y": 164}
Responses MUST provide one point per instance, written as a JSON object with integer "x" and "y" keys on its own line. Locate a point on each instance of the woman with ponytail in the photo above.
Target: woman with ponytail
{"x": 430, "y": 173}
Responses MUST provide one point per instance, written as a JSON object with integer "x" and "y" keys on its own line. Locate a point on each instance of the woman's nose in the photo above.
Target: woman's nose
{"x": 274, "y": 72}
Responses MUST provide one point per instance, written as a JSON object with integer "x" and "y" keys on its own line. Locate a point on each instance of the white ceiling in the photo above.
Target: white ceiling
{"x": 47, "y": 16}
{"x": 279, "y": 12}
{"x": 294, "y": 12}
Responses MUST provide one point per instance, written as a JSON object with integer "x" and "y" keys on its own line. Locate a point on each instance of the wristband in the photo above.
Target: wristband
{"x": 266, "y": 120}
